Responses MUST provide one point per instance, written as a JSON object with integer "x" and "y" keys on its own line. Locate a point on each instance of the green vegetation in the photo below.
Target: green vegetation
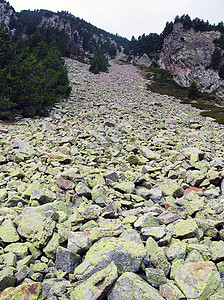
{"x": 99, "y": 63}
{"x": 162, "y": 82}
{"x": 83, "y": 40}
{"x": 32, "y": 76}
{"x": 193, "y": 92}
{"x": 216, "y": 58}
{"x": 221, "y": 71}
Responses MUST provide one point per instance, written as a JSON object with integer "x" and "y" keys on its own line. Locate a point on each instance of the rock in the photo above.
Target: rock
{"x": 126, "y": 255}
{"x": 64, "y": 184}
{"x": 149, "y": 154}
{"x": 155, "y": 277}
{"x": 78, "y": 242}
{"x": 156, "y": 232}
{"x": 133, "y": 287}
{"x": 97, "y": 285}
{"x": 146, "y": 220}
{"x": 35, "y": 226}
{"x": 125, "y": 187}
{"x": 171, "y": 292}
{"x": 21, "y": 250}
{"x": 28, "y": 291}
{"x": 217, "y": 250}
{"x": 159, "y": 260}
{"x": 217, "y": 296}
{"x": 82, "y": 190}
{"x": 167, "y": 217}
{"x": 198, "y": 280}
{"x": 7, "y": 278}
{"x": 177, "y": 249}
{"x": 171, "y": 188}
{"x": 155, "y": 194}
{"x": 3, "y": 194}
{"x": 183, "y": 228}
{"x": 8, "y": 232}
{"x": 66, "y": 260}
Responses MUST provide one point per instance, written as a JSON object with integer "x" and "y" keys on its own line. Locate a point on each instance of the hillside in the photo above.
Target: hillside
{"x": 118, "y": 192}
{"x": 73, "y": 35}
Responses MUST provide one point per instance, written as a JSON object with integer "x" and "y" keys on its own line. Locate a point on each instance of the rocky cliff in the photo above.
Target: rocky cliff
{"x": 187, "y": 54}
{"x": 7, "y": 13}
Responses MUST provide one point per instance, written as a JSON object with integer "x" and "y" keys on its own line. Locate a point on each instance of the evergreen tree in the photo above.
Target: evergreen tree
{"x": 99, "y": 63}
{"x": 216, "y": 58}
{"x": 193, "y": 92}
{"x": 221, "y": 71}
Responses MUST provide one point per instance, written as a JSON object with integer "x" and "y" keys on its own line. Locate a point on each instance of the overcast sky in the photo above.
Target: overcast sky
{"x": 130, "y": 17}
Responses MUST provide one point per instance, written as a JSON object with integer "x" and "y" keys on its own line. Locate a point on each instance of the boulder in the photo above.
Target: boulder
{"x": 126, "y": 255}
{"x": 97, "y": 285}
{"x": 132, "y": 287}
{"x": 198, "y": 280}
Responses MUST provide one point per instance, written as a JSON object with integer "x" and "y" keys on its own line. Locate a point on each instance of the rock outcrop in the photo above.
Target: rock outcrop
{"x": 187, "y": 54}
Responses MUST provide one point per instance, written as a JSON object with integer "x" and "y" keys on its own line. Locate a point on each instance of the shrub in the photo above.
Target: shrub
{"x": 193, "y": 92}
{"x": 99, "y": 63}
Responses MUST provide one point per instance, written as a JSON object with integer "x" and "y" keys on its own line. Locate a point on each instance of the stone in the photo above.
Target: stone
{"x": 155, "y": 277}
{"x": 156, "y": 232}
{"x": 7, "y": 278}
{"x": 149, "y": 154}
{"x": 78, "y": 242}
{"x": 52, "y": 246}
{"x": 97, "y": 285}
{"x": 22, "y": 273}
{"x": 217, "y": 296}
{"x": 64, "y": 183}
{"x": 28, "y": 291}
{"x": 146, "y": 220}
{"x": 167, "y": 217}
{"x": 126, "y": 255}
{"x": 151, "y": 246}
{"x": 155, "y": 194}
{"x": 21, "y": 250}
{"x": 217, "y": 250}
{"x": 66, "y": 260}
{"x": 177, "y": 249}
{"x": 171, "y": 188}
{"x": 8, "y": 232}
{"x": 159, "y": 260}
{"x": 131, "y": 286}
{"x": 198, "y": 280}
{"x": 35, "y": 226}
{"x": 3, "y": 194}
{"x": 125, "y": 187}
{"x": 183, "y": 228}
{"x": 82, "y": 190}
{"x": 171, "y": 292}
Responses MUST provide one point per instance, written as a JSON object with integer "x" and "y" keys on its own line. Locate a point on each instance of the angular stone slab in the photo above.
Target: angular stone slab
{"x": 97, "y": 285}
{"x": 126, "y": 255}
{"x": 198, "y": 280}
{"x": 132, "y": 287}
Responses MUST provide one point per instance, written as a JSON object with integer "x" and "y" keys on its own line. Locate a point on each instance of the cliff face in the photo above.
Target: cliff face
{"x": 187, "y": 54}
{"x": 7, "y": 12}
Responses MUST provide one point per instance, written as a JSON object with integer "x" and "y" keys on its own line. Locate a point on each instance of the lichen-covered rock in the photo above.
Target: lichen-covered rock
{"x": 126, "y": 255}
{"x": 36, "y": 227}
{"x": 97, "y": 285}
{"x": 131, "y": 286}
{"x": 66, "y": 260}
{"x": 183, "y": 228}
{"x": 26, "y": 291}
{"x": 155, "y": 277}
{"x": 198, "y": 280}
{"x": 8, "y": 232}
{"x": 147, "y": 220}
{"x": 78, "y": 242}
{"x": 171, "y": 292}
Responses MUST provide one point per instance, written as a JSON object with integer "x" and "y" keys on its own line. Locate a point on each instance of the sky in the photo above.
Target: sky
{"x": 130, "y": 17}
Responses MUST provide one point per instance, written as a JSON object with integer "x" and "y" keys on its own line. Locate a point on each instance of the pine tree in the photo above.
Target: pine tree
{"x": 193, "y": 92}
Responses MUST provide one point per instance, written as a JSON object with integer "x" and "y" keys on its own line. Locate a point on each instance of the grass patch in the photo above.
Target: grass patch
{"x": 162, "y": 82}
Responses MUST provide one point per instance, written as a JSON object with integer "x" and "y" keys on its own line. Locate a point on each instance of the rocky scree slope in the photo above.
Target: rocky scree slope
{"x": 187, "y": 54}
{"x": 118, "y": 194}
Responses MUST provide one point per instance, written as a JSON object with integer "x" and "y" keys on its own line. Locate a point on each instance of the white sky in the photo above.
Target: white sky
{"x": 130, "y": 17}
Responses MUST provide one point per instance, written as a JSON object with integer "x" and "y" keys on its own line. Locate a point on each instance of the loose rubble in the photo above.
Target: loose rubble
{"x": 117, "y": 194}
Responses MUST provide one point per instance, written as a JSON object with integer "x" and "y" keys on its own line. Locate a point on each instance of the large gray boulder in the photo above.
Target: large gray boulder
{"x": 132, "y": 287}
{"x": 127, "y": 256}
